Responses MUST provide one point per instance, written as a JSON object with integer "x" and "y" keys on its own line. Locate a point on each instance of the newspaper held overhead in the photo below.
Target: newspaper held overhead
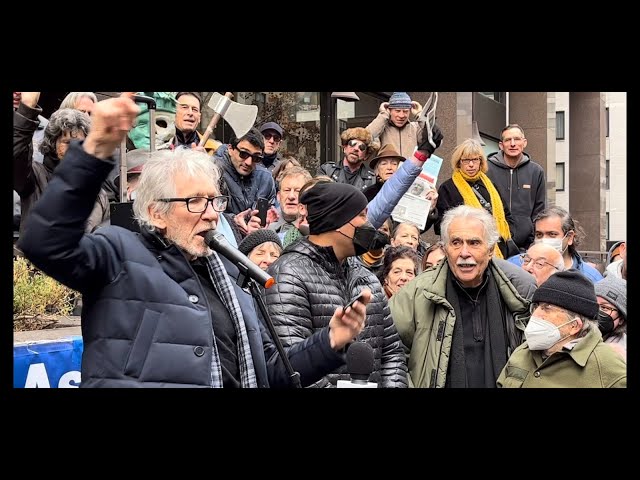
{"x": 414, "y": 205}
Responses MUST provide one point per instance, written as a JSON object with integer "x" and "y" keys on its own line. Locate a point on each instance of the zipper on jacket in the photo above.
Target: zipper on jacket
{"x": 510, "y": 186}
{"x": 440, "y": 334}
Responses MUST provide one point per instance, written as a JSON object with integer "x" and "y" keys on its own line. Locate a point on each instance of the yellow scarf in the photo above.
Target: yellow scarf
{"x": 461, "y": 181}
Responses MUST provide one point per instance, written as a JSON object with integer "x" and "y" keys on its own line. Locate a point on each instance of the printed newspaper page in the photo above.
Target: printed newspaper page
{"x": 414, "y": 206}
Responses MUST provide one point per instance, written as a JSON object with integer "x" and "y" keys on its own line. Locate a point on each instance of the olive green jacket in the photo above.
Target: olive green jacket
{"x": 590, "y": 364}
{"x": 425, "y": 318}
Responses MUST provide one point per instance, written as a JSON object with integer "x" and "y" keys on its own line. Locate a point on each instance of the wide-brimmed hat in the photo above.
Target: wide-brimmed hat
{"x": 387, "y": 151}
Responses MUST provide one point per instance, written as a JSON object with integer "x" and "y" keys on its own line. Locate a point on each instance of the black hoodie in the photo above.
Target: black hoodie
{"x": 524, "y": 190}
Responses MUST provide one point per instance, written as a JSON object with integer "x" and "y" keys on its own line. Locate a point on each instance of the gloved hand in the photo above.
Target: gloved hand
{"x": 384, "y": 107}
{"x": 423, "y": 142}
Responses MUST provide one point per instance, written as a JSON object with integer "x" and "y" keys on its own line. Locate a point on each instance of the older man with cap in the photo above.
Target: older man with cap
{"x": 397, "y": 123}
{"x": 564, "y": 347}
{"x": 273, "y": 135}
{"x": 357, "y": 145}
{"x": 317, "y": 275}
{"x": 612, "y": 316}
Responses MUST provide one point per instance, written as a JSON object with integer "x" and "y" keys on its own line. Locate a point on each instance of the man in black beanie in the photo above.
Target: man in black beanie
{"x": 564, "y": 347}
{"x": 316, "y": 276}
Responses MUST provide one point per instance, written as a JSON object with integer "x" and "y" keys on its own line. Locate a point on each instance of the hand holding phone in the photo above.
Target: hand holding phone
{"x": 262, "y": 205}
{"x": 352, "y": 301}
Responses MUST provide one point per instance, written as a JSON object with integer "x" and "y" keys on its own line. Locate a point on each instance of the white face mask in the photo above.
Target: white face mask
{"x": 555, "y": 243}
{"x": 541, "y": 334}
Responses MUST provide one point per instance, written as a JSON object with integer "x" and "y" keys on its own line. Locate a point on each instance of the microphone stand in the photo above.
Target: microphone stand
{"x": 245, "y": 281}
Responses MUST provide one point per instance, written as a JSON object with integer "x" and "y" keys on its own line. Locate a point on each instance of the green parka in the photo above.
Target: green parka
{"x": 425, "y": 318}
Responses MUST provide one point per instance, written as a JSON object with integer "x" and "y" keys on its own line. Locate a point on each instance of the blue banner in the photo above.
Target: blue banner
{"x": 51, "y": 364}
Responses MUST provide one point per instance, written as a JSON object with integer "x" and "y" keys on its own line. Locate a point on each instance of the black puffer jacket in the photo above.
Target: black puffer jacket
{"x": 310, "y": 285}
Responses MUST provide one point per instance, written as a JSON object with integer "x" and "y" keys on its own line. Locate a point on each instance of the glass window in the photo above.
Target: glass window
{"x": 497, "y": 96}
{"x": 559, "y": 177}
{"x": 607, "y": 120}
{"x": 559, "y": 125}
{"x": 606, "y": 174}
{"x": 355, "y": 114}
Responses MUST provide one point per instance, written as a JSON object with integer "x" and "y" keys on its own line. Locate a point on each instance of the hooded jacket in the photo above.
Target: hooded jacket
{"x": 523, "y": 188}
{"x": 405, "y": 139}
{"x": 310, "y": 284}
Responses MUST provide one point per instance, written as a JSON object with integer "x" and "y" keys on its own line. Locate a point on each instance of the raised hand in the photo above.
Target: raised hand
{"x": 30, "y": 99}
{"x": 436, "y": 136}
{"x": 111, "y": 120}
{"x": 344, "y": 326}
{"x": 416, "y": 109}
{"x": 384, "y": 107}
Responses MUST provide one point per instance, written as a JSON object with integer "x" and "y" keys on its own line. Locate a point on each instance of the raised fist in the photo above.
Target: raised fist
{"x": 436, "y": 137}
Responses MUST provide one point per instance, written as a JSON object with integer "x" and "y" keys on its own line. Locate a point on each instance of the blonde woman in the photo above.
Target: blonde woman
{"x": 469, "y": 185}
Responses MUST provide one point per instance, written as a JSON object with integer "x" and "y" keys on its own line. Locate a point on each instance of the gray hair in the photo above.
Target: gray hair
{"x": 491, "y": 235}
{"x": 72, "y": 99}
{"x": 66, "y": 119}
{"x": 157, "y": 180}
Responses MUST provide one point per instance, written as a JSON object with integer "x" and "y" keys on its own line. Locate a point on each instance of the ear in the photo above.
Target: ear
{"x": 524, "y": 144}
{"x": 500, "y": 146}
{"x": 157, "y": 219}
{"x": 577, "y": 327}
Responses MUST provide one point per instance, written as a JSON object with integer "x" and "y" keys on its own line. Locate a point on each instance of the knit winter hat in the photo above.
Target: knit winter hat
{"x": 400, "y": 100}
{"x": 614, "y": 291}
{"x": 257, "y": 238}
{"x": 331, "y": 205}
{"x": 570, "y": 290}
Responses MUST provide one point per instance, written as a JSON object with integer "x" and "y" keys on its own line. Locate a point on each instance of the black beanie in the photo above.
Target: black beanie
{"x": 570, "y": 290}
{"x": 331, "y": 205}
{"x": 258, "y": 237}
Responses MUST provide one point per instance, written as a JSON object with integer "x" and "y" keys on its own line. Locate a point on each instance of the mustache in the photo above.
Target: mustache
{"x": 466, "y": 263}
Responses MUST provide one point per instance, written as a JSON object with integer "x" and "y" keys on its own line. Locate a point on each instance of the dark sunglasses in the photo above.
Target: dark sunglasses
{"x": 255, "y": 157}
{"x": 354, "y": 143}
{"x": 268, "y": 136}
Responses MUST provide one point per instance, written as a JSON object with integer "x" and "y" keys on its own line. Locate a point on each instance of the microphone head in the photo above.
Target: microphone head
{"x": 213, "y": 238}
{"x": 360, "y": 360}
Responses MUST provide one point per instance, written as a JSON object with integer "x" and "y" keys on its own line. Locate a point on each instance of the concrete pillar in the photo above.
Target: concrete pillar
{"x": 587, "y": 134}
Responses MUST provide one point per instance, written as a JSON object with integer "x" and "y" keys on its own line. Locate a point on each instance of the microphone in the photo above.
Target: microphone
{"x": 359, "y": 366}
{"x": 217, "y": 242}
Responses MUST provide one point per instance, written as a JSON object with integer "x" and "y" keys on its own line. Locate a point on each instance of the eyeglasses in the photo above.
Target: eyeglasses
{"x": 513, "y": 139}
{"x": 547, "y": 308}
{"x": 199, "y": 204}
{"x": 467, "y": 161}
{"x": 184, "y": 106}
{"x": 354, "y": 143}
{"x": 607, "y": 309}
{"x": 538, "y": 263}
{"x": 255, "y": 157}
{"x": 268, "y": 136}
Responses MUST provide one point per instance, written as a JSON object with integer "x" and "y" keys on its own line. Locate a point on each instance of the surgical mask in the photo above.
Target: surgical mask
{"x": 555, "y": 243}
{"x": 363, "y": 237}
{"x": 605, "y": 323}
{"x": 541, "y": 334}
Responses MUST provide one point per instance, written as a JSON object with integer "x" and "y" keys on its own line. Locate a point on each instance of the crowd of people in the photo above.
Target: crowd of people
{"x": 504, "y": 299}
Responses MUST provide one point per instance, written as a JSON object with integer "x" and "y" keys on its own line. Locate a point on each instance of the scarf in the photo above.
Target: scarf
{"x": 372, "y": 257}
{"x": 461, "y": 181}
{"x": 223, "y": 287}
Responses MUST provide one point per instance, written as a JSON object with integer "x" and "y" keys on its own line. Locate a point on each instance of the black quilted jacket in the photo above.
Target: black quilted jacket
{"x": 310, "y": 284}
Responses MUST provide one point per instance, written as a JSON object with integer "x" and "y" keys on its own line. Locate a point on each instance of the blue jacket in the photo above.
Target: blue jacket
{"x": 243, "y": 191}
{"x": 145, "y": 318}
{"x": 380, "y": 208}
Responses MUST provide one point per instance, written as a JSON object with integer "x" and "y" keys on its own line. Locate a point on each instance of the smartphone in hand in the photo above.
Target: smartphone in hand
{"x": 262, "y": 205}
{"x": 352, "y": 301}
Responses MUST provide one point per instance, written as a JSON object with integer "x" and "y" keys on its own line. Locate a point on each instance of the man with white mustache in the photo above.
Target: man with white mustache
{"x": 462, "y": 319}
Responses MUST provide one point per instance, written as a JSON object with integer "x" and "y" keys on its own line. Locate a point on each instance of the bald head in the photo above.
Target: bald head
{"x": 542, "y": 261}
